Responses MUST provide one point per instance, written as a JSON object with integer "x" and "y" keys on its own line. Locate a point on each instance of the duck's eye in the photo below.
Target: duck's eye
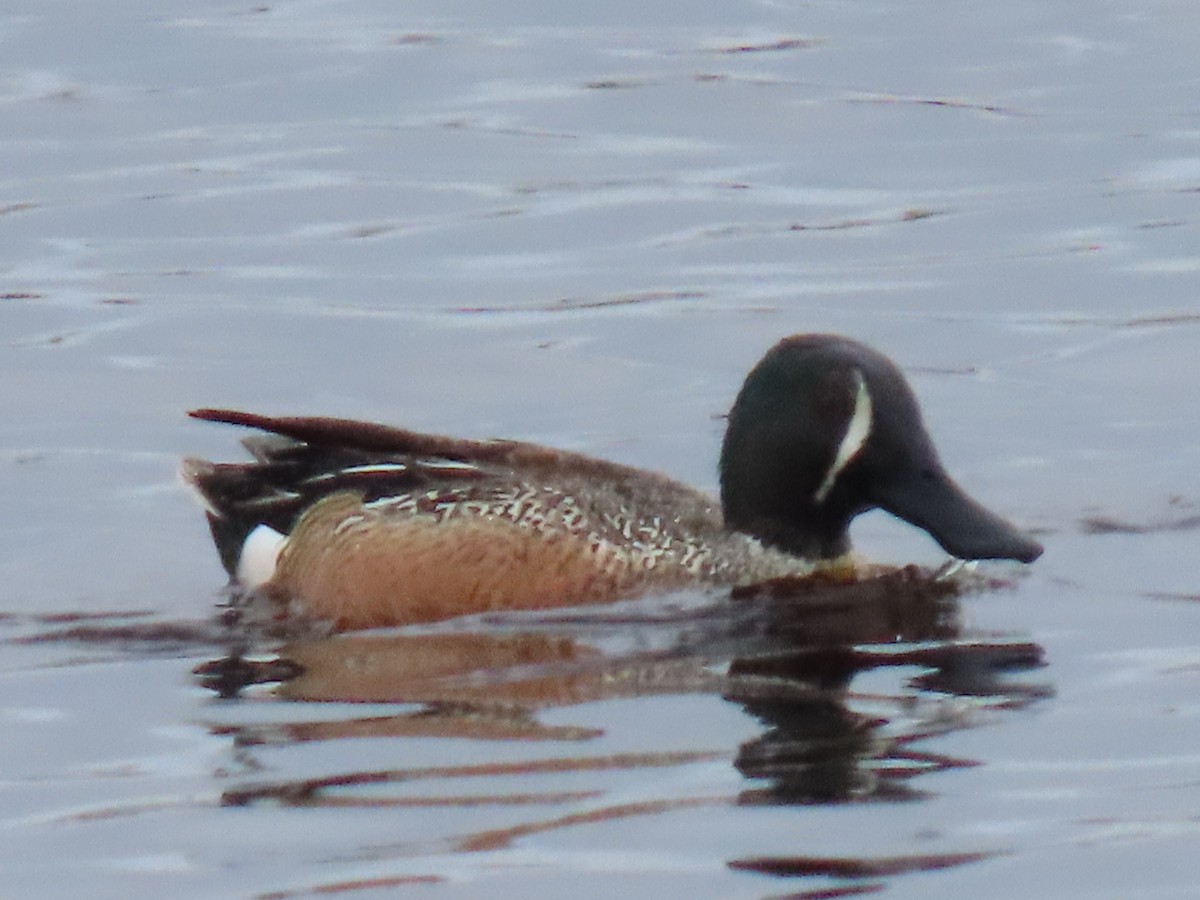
{"x": 858, "y": 429}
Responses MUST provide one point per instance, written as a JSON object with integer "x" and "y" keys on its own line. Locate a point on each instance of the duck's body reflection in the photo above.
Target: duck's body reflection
{"x": 790, "y": 665}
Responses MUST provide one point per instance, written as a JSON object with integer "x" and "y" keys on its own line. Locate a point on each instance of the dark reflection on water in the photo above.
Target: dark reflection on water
{"x": 845, "y": 685}
{"x": 790, "y": 655}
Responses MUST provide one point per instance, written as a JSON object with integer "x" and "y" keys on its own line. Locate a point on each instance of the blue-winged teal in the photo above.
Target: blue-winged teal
{"x": 367, "y": 525}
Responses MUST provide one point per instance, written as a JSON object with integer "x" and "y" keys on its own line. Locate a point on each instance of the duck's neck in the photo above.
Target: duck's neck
{"x": 763, "y": 497}
{"x": 785, "y": 531}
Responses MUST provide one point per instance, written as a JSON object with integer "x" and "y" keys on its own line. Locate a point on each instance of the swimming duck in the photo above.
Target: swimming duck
{"x": 366, "y": 525}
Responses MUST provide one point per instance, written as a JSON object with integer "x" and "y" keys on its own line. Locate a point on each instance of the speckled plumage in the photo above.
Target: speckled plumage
{"x": 494, "y": 547}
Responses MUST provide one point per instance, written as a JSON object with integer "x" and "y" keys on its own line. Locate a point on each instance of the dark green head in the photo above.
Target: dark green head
{"x": 825, "y": 428}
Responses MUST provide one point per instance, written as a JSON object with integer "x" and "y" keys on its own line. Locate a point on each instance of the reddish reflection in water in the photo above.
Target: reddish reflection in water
{"x": 790, "y": 661}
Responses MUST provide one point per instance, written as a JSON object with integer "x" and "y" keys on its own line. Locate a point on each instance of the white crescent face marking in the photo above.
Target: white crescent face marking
{"x": 858, "y": 429}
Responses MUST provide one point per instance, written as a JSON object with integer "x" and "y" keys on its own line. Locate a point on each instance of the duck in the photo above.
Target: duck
{"x": 363, "y": 525}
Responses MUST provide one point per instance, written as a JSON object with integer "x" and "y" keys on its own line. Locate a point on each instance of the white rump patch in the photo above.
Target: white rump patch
{"x": 260, "y": 555}
{"x": 857, "y": 431}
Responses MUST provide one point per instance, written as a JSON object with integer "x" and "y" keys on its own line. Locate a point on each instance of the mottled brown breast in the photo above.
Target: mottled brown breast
{"x": 431, "y": 556}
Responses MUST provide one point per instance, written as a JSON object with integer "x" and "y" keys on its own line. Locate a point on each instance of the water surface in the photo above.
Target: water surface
{"x": 582, "y": 226}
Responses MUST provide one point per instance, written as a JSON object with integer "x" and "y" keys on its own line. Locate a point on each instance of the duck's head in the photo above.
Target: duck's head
{"x": 825, "y": 428}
